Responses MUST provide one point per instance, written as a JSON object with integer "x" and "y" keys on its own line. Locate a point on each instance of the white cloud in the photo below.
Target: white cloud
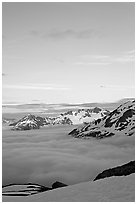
{"x": 124, "y": 57}
{"x": 92, "y": 63}
{"x": 36, "y": 87}
{"x": 68, "y": 33}
{"x": 46, "y": 155}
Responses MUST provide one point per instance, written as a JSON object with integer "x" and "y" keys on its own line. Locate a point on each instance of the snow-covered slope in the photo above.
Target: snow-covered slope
{"x": 113, "y": 189}
{"x": 35, "y": 122}
{"x": 28, "y": 189}
{"x": 28, "y": 122}
{"x": 121, "y": 121}
{"x": 85, "y": 115}
{"x": 70, "y": 118}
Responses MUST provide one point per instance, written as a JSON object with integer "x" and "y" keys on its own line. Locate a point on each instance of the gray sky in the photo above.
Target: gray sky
{"x": 68, "y": 52}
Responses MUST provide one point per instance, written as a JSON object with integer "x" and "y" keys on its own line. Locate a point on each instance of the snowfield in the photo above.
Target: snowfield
{"x": 114, "y": 189}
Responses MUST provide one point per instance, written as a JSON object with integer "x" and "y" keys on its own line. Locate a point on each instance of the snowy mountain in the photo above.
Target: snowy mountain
{"x": 113, "y": 189}
{"x": 34, "y": 122}
{"x": 28, "y": 122}
{"x": 68, "y": 118}
{"x": 85, "y": 115}
{"x": 121, "y": 121}
{"x": 107, "y": 189}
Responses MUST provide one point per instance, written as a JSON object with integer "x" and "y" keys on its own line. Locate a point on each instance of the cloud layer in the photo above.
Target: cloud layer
{"x": 58, "y": 34}
{"x": 36, "y": 87}
{"x": 124, "y": 57}
{"x": 49, "y": 154}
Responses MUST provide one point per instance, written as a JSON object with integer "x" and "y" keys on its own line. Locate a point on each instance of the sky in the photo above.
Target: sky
{"x": 67, "y": 52}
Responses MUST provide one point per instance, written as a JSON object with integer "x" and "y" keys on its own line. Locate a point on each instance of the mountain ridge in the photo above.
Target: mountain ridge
{"x": 70, "y": 117}
{"x": 119, "y": 121}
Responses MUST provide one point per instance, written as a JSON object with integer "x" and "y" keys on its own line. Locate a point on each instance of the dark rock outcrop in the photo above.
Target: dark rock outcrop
{"x": 121, "y": 121}
{"x": 123, "y": 170}
{"x": 28, "y": 189}
{"x": 23, "y": 189}
{"x": 58, "y": 184}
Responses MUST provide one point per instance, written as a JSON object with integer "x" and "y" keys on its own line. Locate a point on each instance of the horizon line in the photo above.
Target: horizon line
{"x": 31, "y": 103}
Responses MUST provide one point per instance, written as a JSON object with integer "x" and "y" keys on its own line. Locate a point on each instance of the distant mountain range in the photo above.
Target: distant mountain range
{"x": 121, "y": 121}
{"x": 68, "y": 118}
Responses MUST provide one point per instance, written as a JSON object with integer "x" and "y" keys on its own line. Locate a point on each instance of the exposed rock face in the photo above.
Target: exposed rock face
{"x": 26, "y": 123}
{"x": 123, "y": 170}
{"x": 35, "y": 122}
{"x": 23, "y": 189}
{"x": 69, "y": 118}
{"x": 85, "y": 115}
{"x": 58, "y": 184}
{"x": 28, "y": 189}
{"x": 121, "y": 121}
{"x": 61, "y": 121}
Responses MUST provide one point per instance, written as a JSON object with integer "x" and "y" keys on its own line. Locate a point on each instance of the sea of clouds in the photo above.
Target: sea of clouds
{"x": 49, "y": 154}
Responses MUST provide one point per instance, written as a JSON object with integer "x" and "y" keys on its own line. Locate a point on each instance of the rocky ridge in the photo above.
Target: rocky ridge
{"x": 120, "y": 121}
{"x": 68, "y": 118}
{"x": 123, "y": 170}
{"x": 28, "y": 189}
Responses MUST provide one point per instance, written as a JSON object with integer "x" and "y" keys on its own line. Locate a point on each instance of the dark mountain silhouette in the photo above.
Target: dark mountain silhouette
{"x": 122, "y": 170}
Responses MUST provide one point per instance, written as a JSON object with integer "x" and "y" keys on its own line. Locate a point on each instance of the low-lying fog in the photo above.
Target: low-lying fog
{"x": 49, "y": 154}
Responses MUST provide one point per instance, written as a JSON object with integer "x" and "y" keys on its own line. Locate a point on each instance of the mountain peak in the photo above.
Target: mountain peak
{"x": 70, "y": 117}
{"x": 121, "y": 121}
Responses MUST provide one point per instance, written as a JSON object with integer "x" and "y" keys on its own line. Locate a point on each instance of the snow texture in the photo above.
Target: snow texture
{"x": 70, "y": 118}
{"x": 121, "y": 121}
{"x": 114, "y": 189}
